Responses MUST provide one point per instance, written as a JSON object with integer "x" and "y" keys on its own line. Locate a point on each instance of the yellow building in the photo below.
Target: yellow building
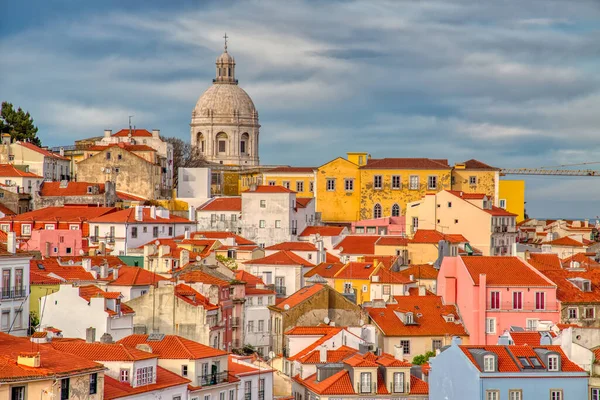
{"x": 473, "y": 176}
{"x": 511, "y": 197}
{"x": 299, "y": 179}
{"x": 40, "y": 286}
{"x": 387, "y": 185}
{"x": 338, "y": 191}
{"x": 355, "y": 278}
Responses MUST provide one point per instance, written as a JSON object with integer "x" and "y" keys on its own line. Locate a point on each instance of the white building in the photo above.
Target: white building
{"x": 193, "y": 185}
{"x": 220, "y": 214}
{"x": 75, "y": 309}
{"x": 14, "y": 288}
{"x": 256, "y": 379}
{"x": 41, "y": 162}
{"x": 330, "y": 235}
{"x": 273, "y": 214}
{"x": 19, "y": 181}
{"x": 151, "y": 139}
{"x": 284, "y": 270}
{"x": 136, "y": 226}
{"x": 257, "y": 319}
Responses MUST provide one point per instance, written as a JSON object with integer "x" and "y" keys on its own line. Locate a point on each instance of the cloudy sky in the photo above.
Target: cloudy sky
{"x": 511, "y": 83}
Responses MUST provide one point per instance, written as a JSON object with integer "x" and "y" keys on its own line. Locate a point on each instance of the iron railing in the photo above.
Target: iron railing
{"x": 524, "y": 306}
{"x": 214, "y": 379}
{"x": 280, "y": 290}
{"x": 13, "y": 292}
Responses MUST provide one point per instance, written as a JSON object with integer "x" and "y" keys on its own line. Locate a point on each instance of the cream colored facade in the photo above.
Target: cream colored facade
{"x": 418, "y": 344}
{"x": 49, "y": 389}
{"x": 49, "y": 166}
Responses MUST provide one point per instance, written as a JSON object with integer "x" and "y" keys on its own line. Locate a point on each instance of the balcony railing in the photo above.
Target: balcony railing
{"x": 508, "y": 306}
{"x": 247, "y": 396}
{"x": 214, "y": 379}
{"x": 13, "y": 292}
{"x": 261, "y": 395}
{"x": 280, "y": 290}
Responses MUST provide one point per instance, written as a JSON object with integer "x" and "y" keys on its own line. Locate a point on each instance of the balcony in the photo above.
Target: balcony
{"x": 214, "y": 379}
{"x": 261, "y": 395}
{"x": 235, "y": 322}
{"x": 507, "y": 306}
{"x": 14, "y": 292}
{"x": 247, "y": 396}
{"x": 280, "y": 290}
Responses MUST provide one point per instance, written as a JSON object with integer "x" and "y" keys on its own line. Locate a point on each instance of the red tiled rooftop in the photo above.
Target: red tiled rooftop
{"x": 337, "y": 384}
{"x": 300, "y": 296}
{"x": 134, "y": 276}
{"x": 544, "y": 261}
{"x": 333, "y": 356}
{"x": 201, "y": 276}
{"x": 67, "y": 213}
{"x": 392, "y": 241}
{"x": 499, "y": 212}
{"x": 526, "y": 338}
{"x": 434, "y": 237}
{"x": 174, "y": 347}
{"x": 302, "y": 202}
{"x": 357, "y": 245}
{"x": 253, "y": 291}
{"x": 114, "y": 389}
{"x": 269, "y": 189}
{"x": 193, "y": 297}
{"x": 222, "y": 204}
{"x": 216, "y": 235}
{"x": 102, "y": 351}
{"x": 134, "y": 133}
{"x": 406, "y": 163}
{"x": 282, "y": 257}
{"x": 357, "y": 270}
{"x": 503, "y": 271}
{"x": 384, "y": 275}
{"x": 293, "y": 246}
{"x": 322, "y": 230}
{"x": 52, "y": 189}
{"x": 39, "y": 150}
{"x": 467, "y": 196}
{"x": 420, "y": 271}
{"x": 476, "y": 164}
{"x": 291, "y": 170}
{"x": 325, "y": 270}
{"x": 10, "y": 171}
{"x": 125, "y": 146}
{"x": 243, "y": 276}
{"x": 568, "y": 292}
{"x": 583, "y": 259}
{"x": 128, "y": 216}
{"x": 565, "y": 241}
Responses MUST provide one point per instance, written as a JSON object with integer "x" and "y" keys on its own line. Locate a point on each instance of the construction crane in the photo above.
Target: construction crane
{"x": 550, "y": 171}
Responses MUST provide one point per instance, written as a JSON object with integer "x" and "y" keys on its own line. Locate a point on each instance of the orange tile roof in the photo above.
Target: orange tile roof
{"x": 129, "y": 197}
{"x": 337, "y": 384}
{"x": 386, "y": 261}
{"x": 508, "y": 355}
{"x": 418, "y": 386}
{"x": 222, "y": 204}
{"x": 330, "y": 258}
{"x": 174, "y": 347}
{"x": 357, "y": 245}
{"x": 114, "y": 389}
{"x": 325, "y": 270}
{"x": 430, "y": 323}
{"x": 252, "y": 291}
{"x": 503, "y": 271}
{"x": 102, "y": 351}
{"x": 433, "y": 237}
{"x": 567, "y": 292}
{"x": 386, "y": 276}
{"x": 282, "y": 257}
{"x": 526, "y": 338}
{"x": 221, "y": 235}
{"x": 125, "y": 146}
{"x": 128, "y": 216}
{"x": 583, "y": 259}
{"x": 243, "y": 276}
{"x": 565, "y": 241}
{"x": 320, "y": 329}
{"x": 89, "y": 291}
{"x": 476, "y": 164}
{"x": 544, "y": 261}
{"x": 303, "y": 202}
{"x": 361, "y": 360}
{"x": 39, "y": 150}
{"x": 193, "y": 297}
{"x": 406, "y": 163}
{"x": 10, "y": 171}
{"x": 66, "y": 213}
{"x": 269, "y": 189}
{"x": 322, "y": 230}
{"x": 333, "y": 356}
{"x": 357, "y": 270}
{"x": 392, "y": 241}
{"x": 291, "y": 170}
{"x": 54, "y": 364}
{"x": 300, "y": 296}
{"x": 499, "y": 212}
{"x": 293, "y": 246}
{"x": 134, "y": 276}
{"x": 196, "y": 276}
{"x": 42, "y": 279}
{"x": 134, "y": 132}
{"x": 66, "y": 273}
{"x": 420, "y": 271}
{"x": 52, "y": 189}
{"x": 467, "y": 196}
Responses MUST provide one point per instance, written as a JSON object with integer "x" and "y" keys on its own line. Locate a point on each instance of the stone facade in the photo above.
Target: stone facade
{"x": 224, "y": 126}
{"x": 15, "y": 201}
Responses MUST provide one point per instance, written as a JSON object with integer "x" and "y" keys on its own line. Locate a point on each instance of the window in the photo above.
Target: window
{"x": 154, "y": 231}
{"x": 490, "y": 325}
{"x": 492, "y": 395}
{"x": 261, "y": 324}
{"x": 531, "y": 324}
{"x": 300, "y": 186}
{"x": 18, "y": 319}
{"x": 349, "y": 185}
{"x": 330, "y": 184}
{"x": 436, "y": 344}
{"x": 595, "y": 394}
{"x": 277, "y": 223}
{"x": 589, "y": 313}
{"x": 222, "y": 394}
{"x": 377, "y": 211}
{"x": 552, "y": 363}
{"x": 517, "y": 300}
{"x": 432, "y": 182}
{"x": 170, "y": 231}
{"x": 285, "y": 184}
{"x": 134, "y": 232}
{"x": 248, "y": 388}
{"x": 26, "y": 229}
{"x": 387, "y": 289}
{"x": 222, "y": 145}
{"x": 405, "y": 344}
{"x": 259, "y": 300}
{"x": 207, "y": 397}
{"x": 398, "y": 382}
{"x": 365, "y": 382}
{"x": 261, "y": 223}
{"x": 415, "y": 223}
{"x": 263, "y": 204}
{"x": 572, "y": 314}
{"x": 5, "y": 320}
{"x": 17, "y": 393}
{"x": 250, "y": 326}
{"x": 93, "y": 383}
{"x": 540, "y": 300}
{"x": 124, "y": 375}
{"x": 515, "y": 395}
{"x": 472, "y": 180}
{"x": 413, "y": 183}
{"x": 243, "y": 147}
{"x": 494, "y": 300}
{"x": 231, "y": 394}
{"x": 489, "y": 363}
{"x": 261, "y": 389}
{"x": 184, "y": 370}
{"x": 272, "y": 183}
{"x": 108, "y": 155}
{"x": 377, "y": 182}
{"x": 396, "y": 182}
{"x": 395, "y": 210}
{"x": 144, "y": 376}
{"x": 311, "y": 186}
{"x": 556, "y": 394}
{"x": 64, "y": 389}
{"x": 502, "y": 203}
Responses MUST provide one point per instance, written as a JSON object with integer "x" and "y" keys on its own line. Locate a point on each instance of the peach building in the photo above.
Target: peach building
{"x": 495, "y": 293}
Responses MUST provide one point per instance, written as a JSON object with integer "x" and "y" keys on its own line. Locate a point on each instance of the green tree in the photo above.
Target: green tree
{"x": 18, "y": 123}
{"x": 226, "y": 261}
{"x": 423, "y": 358}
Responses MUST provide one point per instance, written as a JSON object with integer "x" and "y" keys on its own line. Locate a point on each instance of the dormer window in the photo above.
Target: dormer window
{"x": 489, "y": 363}
{"x": 409, "y": 318}
{"x": 365, "y": 382}
{"x": 553, "y": 363}
{"x": 449, "y": 318}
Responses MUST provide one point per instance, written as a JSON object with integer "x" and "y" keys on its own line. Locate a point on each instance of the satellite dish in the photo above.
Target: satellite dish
{"x": 286, "y": 307}
{"x": 271, "y": 354}
{"x": 157, "y": 243}
{"x": 326, "y": 320}
{"x": 81, "y": 252}
{"x": 198, "y": 258}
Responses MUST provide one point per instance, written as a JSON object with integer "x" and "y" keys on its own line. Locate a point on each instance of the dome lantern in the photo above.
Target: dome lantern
{"x": 225, "y": 67}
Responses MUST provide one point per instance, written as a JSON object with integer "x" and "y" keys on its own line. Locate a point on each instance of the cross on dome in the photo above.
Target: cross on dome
{"x": 225, "y": 37}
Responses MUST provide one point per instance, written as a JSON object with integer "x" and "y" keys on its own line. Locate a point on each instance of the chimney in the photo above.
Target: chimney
{"x": 375, "y": 263}
{"x": 586, "y": 223}
{"x": 156, "y": 133}
{"x": 90, "y": 335}
{"x": 115, "y": 273}
{"x": 107, "y": 133}
{"x": 411, "y": 277}
{"x": 192, "y": 213}
{"x": 139, "y": 213}
{"x": 32, "y": 360}
{"x": 11, "y": 242}
{"x": 103, "y": 271}
{"x": 153, "y": 212}
{"x": 422, "y": 291}
{"x": 456, "y": 341}
{"x": 184, "y": 258}
{"x": 398, "y": 352}
{"x": 86, "y": 263}
{"x": 323, "y": 354}
{"x": 62, "y": 152}
{"x": 321, "y": 257}
{"x": 253, "y": 187}
{"x": 106, "y": 338}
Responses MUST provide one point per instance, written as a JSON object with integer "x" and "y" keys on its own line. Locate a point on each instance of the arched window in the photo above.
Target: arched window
{"x": 245, "y": 139}
{"x": 395, "y": 210}
{"x": 200, "y": 142}
{"x": 377, "y": 211}
{"x": 221, "y": 142}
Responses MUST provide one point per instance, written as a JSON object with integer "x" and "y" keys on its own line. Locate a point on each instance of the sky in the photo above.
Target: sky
{"x": 511, "y": 83}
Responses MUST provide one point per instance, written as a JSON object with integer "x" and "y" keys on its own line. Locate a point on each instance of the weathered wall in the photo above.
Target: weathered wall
{"x": 486, "y": 181}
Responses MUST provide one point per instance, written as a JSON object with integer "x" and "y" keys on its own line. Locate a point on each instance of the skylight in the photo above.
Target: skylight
{"x": 525, "y": 362}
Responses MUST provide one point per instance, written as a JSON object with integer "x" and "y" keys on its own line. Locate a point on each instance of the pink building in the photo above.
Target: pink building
{"x": 380, "y": 226}
{"x": 54, "y": 242}
{"x": 495, "y": 293}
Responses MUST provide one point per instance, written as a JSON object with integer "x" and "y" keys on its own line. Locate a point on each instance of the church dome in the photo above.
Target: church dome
{"x": 225, "y": 100}
{"x": 225, "y": 58}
